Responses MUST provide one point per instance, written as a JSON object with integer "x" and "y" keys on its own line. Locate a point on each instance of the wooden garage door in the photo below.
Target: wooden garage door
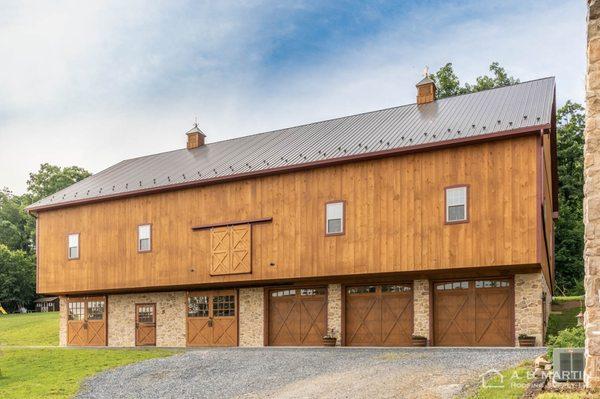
{"x": 297, "y": 316}
{"x": 86, "y": 321}
{"x": 212, "y": 318}
{"x": 473, "y": 313}
{"x": 379, "y": 315}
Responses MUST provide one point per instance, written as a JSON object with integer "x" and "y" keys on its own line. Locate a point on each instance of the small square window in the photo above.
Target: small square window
{"x": 144, "y": 238}
{"x": 456, "y": 204}
{"x": 334, "y": 218}
{"x": 73, "y": 246}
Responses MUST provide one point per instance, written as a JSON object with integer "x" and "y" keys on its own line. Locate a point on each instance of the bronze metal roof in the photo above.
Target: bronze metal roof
{"x": 519, "y": 108}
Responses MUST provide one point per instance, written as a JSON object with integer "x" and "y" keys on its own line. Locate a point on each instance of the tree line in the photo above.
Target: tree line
{"x": 17, "y": 227}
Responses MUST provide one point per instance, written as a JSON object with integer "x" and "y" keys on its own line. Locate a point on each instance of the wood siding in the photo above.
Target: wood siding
{"x": 394, "y": 222}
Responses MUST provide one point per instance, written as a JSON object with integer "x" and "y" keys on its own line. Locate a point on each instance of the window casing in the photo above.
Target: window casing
{"x": 73, "y": 246}
{"x": 334, "y": 218}
{"x": 456, "y": 204}
{"x": 144, "y": 238}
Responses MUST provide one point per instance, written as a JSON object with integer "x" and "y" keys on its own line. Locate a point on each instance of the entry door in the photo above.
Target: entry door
{"x": 473, "y": 313}
{"x": 145, "y": 324}
{"x": 297, "y": 316}
{"x": 86, "y": 323}
{"x": 212, "y": 318}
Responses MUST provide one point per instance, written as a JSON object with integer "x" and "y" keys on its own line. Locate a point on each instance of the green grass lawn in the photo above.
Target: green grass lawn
{"x": 512, "y": 387}
{"x": 58, "y": 372}
{"x": 52, "y": 372}
{"x": 29, "y": 329}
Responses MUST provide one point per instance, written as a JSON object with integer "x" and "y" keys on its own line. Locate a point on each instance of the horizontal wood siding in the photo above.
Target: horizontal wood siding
{"x": 394, "y": 222}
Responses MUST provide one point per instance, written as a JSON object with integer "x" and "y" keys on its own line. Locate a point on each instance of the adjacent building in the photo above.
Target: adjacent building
{"x": 433, "y": 219}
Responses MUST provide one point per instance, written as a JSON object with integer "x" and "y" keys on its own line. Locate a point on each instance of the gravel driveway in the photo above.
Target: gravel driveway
{"x": 304, "y": 373}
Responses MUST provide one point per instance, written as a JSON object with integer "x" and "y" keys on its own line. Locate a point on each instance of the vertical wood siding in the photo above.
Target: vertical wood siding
{"x": 394, "y": 222}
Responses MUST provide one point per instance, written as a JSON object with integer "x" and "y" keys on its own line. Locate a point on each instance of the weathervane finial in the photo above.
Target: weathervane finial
{"x": 426, "y": 71}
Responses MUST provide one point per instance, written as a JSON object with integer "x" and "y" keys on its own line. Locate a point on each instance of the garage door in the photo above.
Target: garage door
{"x": 297, "y": 316}
{"x": 379, "y": 315}
{"x": 473, "y": 313}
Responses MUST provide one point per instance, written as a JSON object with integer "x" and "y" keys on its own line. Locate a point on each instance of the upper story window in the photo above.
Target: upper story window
{"x": 456, "y": 204}
{"x": 73, "y": 246}
{"x": 144, "y": 238}
{"x": 334, "y": 218}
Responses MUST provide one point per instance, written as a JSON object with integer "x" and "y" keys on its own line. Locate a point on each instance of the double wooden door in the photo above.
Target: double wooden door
{"x": 86, "y": 321}
{"x": 297, "y": 316}
{"x": 212, "y": 318}
{"x": 145, "y": 324}
{"x": 473, "y": 313}
{"x": 379, "y": 315}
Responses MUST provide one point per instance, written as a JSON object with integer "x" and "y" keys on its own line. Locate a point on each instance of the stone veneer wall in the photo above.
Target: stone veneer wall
{"x": 421, "y": 308}
{"x": 591, "y": 202}
{"x": 170, "y": 318}
{"x": 62, "y": 327}
{"x": 251, "y": 316}
{"x": 529, "y": 313}
{"x": 334, "y": 310}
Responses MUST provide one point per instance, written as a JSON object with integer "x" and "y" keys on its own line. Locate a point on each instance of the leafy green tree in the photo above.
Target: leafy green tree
{"x": 17, "y": 232}
{"x": 569, "y": 226}
{"x": 17, "y": 285}
{"x": 448, "y": 84}
{"x": 16, "y": 226}
{"x": 50, "y": 179}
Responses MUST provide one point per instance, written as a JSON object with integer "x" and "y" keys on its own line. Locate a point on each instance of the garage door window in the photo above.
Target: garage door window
{"x": 367, "y": 289}
{"x": 280, "y": 293}
{"x": 395, "y": 288}
{"x": 312, "y": 291}
{"x": 76, "y": 310}
{"x": 491, "y": 284}
{"x": 455, "y": 285}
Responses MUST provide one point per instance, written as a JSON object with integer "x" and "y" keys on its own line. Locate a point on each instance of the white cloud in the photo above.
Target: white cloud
{"x": 91, "y": 84}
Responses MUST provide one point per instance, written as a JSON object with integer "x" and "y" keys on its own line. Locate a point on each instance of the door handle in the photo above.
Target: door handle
{"x": 210, "y": 322}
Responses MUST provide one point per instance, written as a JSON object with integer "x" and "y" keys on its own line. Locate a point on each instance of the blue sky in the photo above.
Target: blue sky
{"x": 92, "y": 83}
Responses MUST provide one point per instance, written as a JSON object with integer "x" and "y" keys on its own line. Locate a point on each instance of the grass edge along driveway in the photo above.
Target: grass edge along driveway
{"x": 58, "y": 372}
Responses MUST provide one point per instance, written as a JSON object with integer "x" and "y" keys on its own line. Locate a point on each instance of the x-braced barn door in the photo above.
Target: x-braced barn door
{"x": 86, "y": 323}
{"x": 212, "y": 318}
{"x": 145, "y": 324}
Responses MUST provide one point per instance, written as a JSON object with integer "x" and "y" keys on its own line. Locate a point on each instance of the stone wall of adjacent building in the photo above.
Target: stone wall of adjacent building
{"x": 334, "y": 310}
{"x": 251, "y": 316}
{"x": 530, "y": 317}
{"x": 421, "y": 308}
{"x": 591, "y": 203}
{"x": 170, "y": 318}
{"x": 64, "y": 316}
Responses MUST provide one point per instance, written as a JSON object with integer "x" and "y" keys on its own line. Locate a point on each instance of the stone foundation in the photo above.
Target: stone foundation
{"x": 334, "y": 310}
{"x": 529, "y": 312}
{"x": 421, "y": 308}
{"x": 251, "y": 316}
{"x": 62, "y": 326}
{"x": 170, "y": 318}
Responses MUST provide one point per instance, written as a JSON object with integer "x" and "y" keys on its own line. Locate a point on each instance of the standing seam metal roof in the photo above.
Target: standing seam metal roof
{"x": 517, "y": 107}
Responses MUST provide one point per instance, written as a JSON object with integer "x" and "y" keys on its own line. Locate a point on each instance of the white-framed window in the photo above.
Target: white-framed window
{"x": 73, "y": 246}
{"x": 144, "y": 237}
{"x": 334, "y": 218}
{"x": 456, "y": 204}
